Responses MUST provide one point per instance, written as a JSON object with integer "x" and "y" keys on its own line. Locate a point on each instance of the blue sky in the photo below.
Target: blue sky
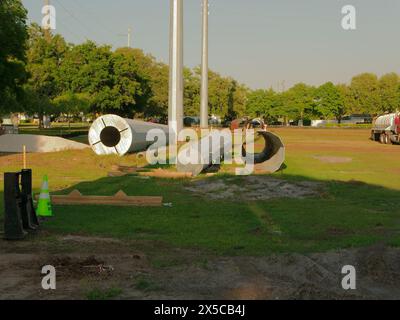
{"x": 259, "y": 42}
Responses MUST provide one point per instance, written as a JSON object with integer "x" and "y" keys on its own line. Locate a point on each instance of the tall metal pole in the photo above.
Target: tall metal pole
{"x": 47, "y": 34}
{"x": 204, "y": 70}
{"x": 175, "y": 112}
{"x": 129, "y": 37}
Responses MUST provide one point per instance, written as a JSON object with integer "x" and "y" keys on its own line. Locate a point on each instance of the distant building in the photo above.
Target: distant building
{"x": 357, "y": 119}
{"x": 353, "y": 119}
{"x": 9, "y": 125}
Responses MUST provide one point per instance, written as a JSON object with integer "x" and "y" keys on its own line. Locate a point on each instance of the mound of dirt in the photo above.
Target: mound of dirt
{"x": 13, "y": 143}
{"x": 252, "y": 188}
{"x": 71, "y": 267}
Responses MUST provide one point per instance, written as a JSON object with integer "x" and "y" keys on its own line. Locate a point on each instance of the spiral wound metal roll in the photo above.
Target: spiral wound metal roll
{"x": 111, "y": 134}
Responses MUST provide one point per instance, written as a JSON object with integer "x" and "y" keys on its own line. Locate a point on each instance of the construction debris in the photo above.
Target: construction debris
{"x": 120, "y": 199}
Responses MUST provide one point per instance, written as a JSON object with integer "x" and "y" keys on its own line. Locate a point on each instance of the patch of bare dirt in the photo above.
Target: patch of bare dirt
{"x": 72, "y": 267}
{"x": 253, "y": 188}
{"x": 81, "y": 239}
{"x": 333, "y": 160}
{"x": 291, "y": 276}
{"x": 200, "y": 276}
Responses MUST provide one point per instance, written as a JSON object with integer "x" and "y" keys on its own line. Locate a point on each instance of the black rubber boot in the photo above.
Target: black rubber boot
{"x": 29, "y": 217}
{"x": 13, "y": 226}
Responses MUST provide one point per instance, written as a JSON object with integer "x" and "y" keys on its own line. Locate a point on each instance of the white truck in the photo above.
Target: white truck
{"x": 386, "y": 129}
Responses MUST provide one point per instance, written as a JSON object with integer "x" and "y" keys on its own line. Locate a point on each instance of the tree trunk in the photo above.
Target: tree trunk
{"x": 40, "y": 120}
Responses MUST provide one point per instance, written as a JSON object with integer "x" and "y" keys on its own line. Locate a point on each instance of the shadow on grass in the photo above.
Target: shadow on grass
{"x": 5, "y": 154}
{"x": 344, "y": 215}
{"x": 1, "y": 211}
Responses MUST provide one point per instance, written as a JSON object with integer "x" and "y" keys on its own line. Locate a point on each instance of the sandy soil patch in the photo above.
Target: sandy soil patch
{"x": 287, "y": 276}
{"x": 329, "y": 159}
{"x": 252, "y": 188}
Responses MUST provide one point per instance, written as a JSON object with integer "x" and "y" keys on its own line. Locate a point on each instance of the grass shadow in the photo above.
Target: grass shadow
{"x": 343, "y": 215}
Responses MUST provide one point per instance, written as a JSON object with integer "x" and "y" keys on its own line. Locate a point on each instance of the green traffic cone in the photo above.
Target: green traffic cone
{"x": 44, "y": 205}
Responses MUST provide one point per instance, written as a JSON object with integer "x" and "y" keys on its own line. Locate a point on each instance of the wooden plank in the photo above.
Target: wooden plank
{"x": 120, "y": 199}
{"x": 160, "y": 173}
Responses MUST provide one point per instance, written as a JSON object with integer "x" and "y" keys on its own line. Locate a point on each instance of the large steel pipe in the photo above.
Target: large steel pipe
{"x": 273, "y": 155}
{"x": 111, "y": 134}
{"x": 200, "y": 155}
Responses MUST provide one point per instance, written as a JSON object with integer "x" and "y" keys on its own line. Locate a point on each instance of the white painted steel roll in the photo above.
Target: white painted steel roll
{"x": 197, "y": 156}
{"x": 111, "y": 134}
{"x": 270, "y": 160}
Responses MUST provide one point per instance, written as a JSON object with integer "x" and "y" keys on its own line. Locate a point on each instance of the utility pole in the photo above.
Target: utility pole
{"x": 47, "y": 34}
{"x": 204, "y": 69}
{"x": 175, "y": 110}
{"x": 129, "y": 37}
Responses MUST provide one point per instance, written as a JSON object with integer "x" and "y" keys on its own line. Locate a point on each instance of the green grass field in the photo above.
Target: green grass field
{"x": 358, "y": 206}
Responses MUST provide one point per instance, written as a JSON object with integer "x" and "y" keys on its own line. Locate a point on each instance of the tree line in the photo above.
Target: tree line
{"x": 40, "y": 73}
{"x": 366, "y": 94}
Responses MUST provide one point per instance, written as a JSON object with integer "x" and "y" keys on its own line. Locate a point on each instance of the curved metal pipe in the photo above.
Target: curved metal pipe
{"x": 272, "y": 157}
{"x": 269, "y": 160}
{"x": 199, "y": 155}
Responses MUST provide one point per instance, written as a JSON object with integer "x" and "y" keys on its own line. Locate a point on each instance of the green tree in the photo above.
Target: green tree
{"x": 300, "y": 101}
{"x": 192, "y": 92}
{"x": 35, "y": 103}
{"x": 365, "y": 94}
{"x": 71, "y": 104}
{"x": 45, "y": 57}
{"x": 262, "y": 103}
{"x": 238, "y": 100}
{"x": 330, "y": 102}
{"x": 115, "y": 81}
{"x": 86, "y": 68}
{"x": 13, "y": 35}
{"x": 389, "y": 87}
{"x": 220, "y": 94}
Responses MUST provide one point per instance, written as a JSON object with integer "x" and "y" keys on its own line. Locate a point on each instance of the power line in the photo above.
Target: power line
{"x": 98, "y": 21}
{"x": 72, "y": 32}
{"x": 47, "y": 32}
{"x": 74, "y": 17}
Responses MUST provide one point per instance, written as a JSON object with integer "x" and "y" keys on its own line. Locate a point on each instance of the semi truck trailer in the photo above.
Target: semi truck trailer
{"x": 386, "y": 129}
